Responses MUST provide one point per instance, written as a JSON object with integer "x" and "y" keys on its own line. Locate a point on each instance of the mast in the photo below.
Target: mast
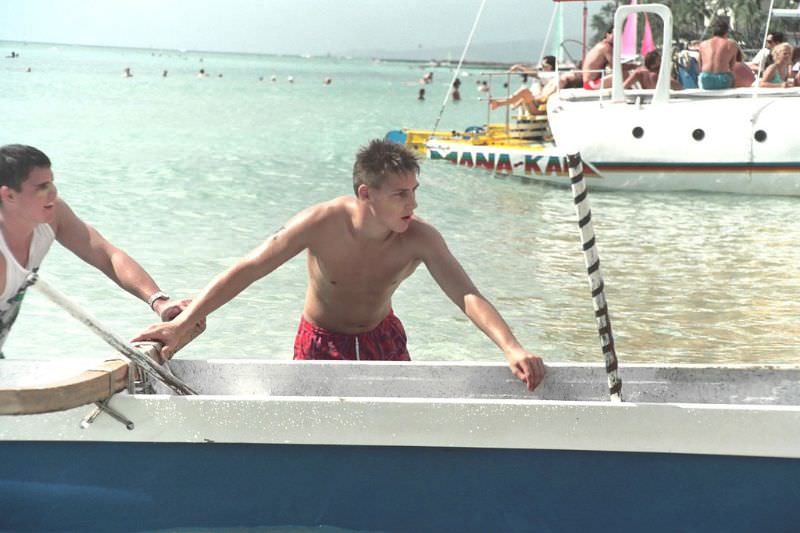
{"x": 583, "y": 35}
{"x": 584, "y": 25}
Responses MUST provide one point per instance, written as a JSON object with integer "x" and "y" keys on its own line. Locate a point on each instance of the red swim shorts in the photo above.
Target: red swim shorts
{"x": 594, "y": 84}
{"x": 387, "y": 342}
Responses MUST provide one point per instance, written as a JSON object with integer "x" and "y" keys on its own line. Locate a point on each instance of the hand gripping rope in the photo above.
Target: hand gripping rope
{"x": 590, "y": 255}
{"x": 147, "y": 365}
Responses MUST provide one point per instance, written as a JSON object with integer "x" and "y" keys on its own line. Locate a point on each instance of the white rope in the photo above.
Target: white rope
{"x": 458, "y": 68}
{"x": 547, "y": 35}
{"x": 147, "y": 364}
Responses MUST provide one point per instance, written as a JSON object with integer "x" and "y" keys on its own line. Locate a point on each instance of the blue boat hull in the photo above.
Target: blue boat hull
{"x": 47, "y": 486}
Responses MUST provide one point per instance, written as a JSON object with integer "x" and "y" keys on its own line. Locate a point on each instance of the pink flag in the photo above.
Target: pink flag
{"x": 629, "y": 35}
{"x": 647, "y": 40}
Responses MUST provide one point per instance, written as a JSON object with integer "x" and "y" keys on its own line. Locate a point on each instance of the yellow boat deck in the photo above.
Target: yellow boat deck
{"x": 528, "y": 131}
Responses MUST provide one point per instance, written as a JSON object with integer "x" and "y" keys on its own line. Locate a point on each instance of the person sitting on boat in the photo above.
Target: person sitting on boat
{"x": 647, "y": 75}
{"x": 535, "y": 102}
{"x": 359, "y": 250}
{"x": 522, "y": 96}
{"x": 779, "y": 73}
{"x": 763, "y": 58}
{"x": 32, "y": 216}
{"x": 717, "y": 57}
{"x": 688, "y": 65}
{"x": 742, "y": 75}
{"x": 544, "y": 71}
{"x": 598, "y": 58}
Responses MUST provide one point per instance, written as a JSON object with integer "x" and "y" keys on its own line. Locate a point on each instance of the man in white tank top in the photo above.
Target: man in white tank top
{"x": 32, "y": 216}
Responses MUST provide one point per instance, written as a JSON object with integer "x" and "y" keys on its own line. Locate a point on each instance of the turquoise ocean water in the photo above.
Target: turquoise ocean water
{"x": 189, "y": 174}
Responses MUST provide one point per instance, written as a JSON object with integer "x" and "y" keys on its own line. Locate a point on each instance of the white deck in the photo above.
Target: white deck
{"x": 742, "y": 410}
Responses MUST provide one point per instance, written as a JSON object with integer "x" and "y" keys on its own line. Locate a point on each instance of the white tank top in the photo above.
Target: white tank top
{"x": 16, "y": 274}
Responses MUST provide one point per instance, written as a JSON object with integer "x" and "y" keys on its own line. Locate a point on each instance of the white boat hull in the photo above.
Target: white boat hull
{"x": 412, "y": 447}
{"x": 733, "y": 142}
{"x": 707, "y": 410}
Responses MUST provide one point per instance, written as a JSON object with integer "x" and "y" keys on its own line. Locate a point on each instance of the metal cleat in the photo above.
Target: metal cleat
{"x": 113, "y": 413}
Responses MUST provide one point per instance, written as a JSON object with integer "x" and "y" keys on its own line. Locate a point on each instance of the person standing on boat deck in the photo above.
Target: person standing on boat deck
{"x": 717, "y": 58}
{"x": 779, "y": 73}
{"x": 598, "y": 58}
{"x": 359, "y": 250}
{"x": 32, "y": 216}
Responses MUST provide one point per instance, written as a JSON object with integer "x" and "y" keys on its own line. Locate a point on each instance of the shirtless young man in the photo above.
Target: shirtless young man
{"x": 598, "y": 58}
{"x": 32, "y": 216}
{"x": 647, "y": 74}
{"x": 359, "y": 250}
{"x": 717, "y": 58}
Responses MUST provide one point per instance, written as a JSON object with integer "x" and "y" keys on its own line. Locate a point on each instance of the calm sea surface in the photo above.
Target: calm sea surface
{"x": 189, "y": 174}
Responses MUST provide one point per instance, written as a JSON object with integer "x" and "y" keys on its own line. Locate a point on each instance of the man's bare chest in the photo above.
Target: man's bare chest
{"x": 347, "y": 265}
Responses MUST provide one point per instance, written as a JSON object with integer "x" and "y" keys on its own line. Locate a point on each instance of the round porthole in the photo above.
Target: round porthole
{"x": 698, "y": 134}
{"x": 760, "y": 136}
{"x": 638, "y": 132}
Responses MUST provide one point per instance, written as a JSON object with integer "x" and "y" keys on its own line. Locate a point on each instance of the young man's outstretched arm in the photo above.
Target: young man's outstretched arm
{"x": 455, "y": 282}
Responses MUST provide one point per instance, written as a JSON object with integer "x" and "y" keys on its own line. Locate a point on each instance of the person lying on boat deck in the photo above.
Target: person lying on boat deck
{"x": 32, "y": 216}
{"x": 647, "y": 74}
{"x": 779, "y": 73}
{"x": 548, "y": 64}
{"x": 528, "y": 95}
{"x": 598, "y": 58}
{"x": 717, "y": 57}
{"x": 358, "y": 251}
{"x": 535, "y": 103}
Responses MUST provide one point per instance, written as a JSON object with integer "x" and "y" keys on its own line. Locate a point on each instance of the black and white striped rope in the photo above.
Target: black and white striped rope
{"x": 584, "y": 212}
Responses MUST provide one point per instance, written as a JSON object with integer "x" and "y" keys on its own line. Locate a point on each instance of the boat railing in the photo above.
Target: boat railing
{"x": 525, "y": 125}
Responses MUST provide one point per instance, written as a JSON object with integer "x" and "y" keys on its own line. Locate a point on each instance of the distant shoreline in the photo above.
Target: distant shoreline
{"x": 432, "y": 62}
{"x": 449, "y": 63}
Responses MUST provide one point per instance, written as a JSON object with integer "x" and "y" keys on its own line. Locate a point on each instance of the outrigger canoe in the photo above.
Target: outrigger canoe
{"x": 408, "y": 447}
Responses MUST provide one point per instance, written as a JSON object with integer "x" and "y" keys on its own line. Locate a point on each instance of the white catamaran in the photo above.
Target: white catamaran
{"x": 736, "y": 141}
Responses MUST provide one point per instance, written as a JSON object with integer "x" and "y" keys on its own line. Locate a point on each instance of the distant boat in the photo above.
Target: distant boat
{"x": 736, "y": 140}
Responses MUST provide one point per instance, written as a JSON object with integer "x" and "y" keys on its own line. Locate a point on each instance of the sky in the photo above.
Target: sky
{"x": 316, "y": 27}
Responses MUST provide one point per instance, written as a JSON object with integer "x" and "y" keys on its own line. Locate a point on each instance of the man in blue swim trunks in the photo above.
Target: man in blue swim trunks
{"x": 717, "y": 57}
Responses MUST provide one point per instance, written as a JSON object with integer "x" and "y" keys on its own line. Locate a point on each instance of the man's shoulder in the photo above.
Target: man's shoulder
{"x": 422, "y": 231}
{"x": 63, "y": 214}
{"x": 331, "y": 208}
